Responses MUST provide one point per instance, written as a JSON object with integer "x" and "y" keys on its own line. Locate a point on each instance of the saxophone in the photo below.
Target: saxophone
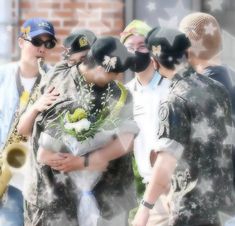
{"x": 14, "y": 153}
{"x": 13, "y": 157}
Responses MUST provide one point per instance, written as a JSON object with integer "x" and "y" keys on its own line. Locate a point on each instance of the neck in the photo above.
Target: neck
{"x": 28, "y": 70}
{"x": 167, "y": 73}
{"x": 200, "y": 65}
{"x": 144, "y": 77}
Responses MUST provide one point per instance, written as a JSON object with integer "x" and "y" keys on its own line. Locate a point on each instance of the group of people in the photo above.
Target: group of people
{"x": 176, "y": 114}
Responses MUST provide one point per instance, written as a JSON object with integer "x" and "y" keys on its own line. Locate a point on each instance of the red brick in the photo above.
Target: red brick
{"x": 62, "y": 13}
{"x": 25, "y": 5}
{"x": 119, "y": 23}
{"x": 96, "y": 23}
{"x": 111, "y": 15}
{"x": 107, "y": 23}
{"x": 31, "y": 14}
{"x": 51, "y": 5}
{"x": 80, "y": 24}
{"x": 74, "y": 5}
{"x": 62, "y": 31}
{"x": 70, "y": 23}
{"x": 55, "y": 23}
{"x": 105, "y": 5}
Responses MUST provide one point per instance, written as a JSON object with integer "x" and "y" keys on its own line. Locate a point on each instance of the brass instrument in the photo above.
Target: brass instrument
{"x": 14, "y": 154}
{"x": 13, "y": 158}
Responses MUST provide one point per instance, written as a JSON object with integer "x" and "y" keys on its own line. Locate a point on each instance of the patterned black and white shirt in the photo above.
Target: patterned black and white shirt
{"x": 52, "y": 191}
{"x": 196, "y": 118}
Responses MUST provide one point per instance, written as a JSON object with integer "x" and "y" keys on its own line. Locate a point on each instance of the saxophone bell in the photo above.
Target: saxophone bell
{"x": 13, "y": 159}
{"x": 15, "y": 155}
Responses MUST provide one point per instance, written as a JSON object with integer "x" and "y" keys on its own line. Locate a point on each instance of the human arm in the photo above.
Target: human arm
{"x": 160, "y": 181}
{"x": 48, "y": 157}
{"x": 26, "y": 122}
{"x": 99, "y": 159}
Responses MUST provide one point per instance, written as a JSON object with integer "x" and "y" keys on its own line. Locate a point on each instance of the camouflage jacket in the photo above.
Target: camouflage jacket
{"x": 52, "y": 190}
{"x": 197, "y": 115}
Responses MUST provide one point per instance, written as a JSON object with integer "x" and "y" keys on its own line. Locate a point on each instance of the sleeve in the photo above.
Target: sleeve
{"x": 52, "y": 75}
{"x": 51, "y": 128}
{"x": 128, "y": 125}
{"x": 174, "y": 127}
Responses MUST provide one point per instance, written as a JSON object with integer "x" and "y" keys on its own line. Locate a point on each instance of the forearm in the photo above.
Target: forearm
{"x": 26, "y": 122}
{"x": 117, "y": 148}
{"x": 49, "y": 157}
{"x": 43, "y": 155}
{"x": 161, "y": 177}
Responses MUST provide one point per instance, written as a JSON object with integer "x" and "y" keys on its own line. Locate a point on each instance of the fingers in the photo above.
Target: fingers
{"x": 65, "y": 155}
{"x": 50, "y": 89}
{"x": 52, "y": 92}
{"x": 62, "y": 168}
{"x": 46, "y": 101}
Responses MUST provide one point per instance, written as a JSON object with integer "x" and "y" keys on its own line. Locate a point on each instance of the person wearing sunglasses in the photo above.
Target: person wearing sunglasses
{"x": 17, "y": 81}
{"x": 49, "y": 198}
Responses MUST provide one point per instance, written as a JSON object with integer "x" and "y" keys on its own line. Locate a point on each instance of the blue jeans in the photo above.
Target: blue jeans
{"x": 11, "y": 208}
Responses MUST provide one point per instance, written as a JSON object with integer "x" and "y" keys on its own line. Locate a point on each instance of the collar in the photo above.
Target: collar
{"x": 186, "y": 72}
{"x": 154, "y": 82}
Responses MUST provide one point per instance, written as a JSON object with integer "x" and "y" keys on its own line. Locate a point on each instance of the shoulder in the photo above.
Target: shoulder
{"x": 8, "y": 70}
{"x": 131, "y": 84}
{"x": 58, "y": 69}
{"x": 58, "y": 73}
{"x": 123, "y": 90}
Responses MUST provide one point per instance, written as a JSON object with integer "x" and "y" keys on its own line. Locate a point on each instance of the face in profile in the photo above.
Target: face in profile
{"x": 76, "y": 58}
{"x": 97, "y": 75}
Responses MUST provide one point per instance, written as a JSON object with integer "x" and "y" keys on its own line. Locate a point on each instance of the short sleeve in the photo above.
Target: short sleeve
{"x": 174, "y": 121}
{"x": 128, "y": 124}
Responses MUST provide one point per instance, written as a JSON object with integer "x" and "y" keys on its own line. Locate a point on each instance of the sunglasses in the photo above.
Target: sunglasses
{"x": 49, "y": 44}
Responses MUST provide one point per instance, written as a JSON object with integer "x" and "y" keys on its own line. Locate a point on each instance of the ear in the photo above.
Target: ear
{"x": 155, "y": 63}
{"x": 21, "y": 42}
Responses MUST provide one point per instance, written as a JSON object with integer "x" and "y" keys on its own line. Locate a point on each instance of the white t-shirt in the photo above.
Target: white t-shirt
{"x": 146, "y": 105}
{"x": 27, "y": 83}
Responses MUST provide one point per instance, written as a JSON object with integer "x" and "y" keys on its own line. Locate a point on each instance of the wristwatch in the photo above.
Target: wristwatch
{"x": 147, "y": 205}
{"x": 86, "y": 160}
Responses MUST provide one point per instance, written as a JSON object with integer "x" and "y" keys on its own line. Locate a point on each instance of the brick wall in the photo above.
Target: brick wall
{"x": 104, "y": 17}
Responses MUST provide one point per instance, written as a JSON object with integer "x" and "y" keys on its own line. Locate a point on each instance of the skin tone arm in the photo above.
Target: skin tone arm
{"x": 98, "y": 160}
{"x": 26, "y": 122}
{"x": 163, "y": 169}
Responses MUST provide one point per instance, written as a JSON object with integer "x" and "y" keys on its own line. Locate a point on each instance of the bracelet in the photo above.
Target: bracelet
{"x": 86, "y": 160}
{"x": 147, "y": 205}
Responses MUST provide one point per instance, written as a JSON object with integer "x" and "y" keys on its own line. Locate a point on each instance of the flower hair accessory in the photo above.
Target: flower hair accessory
{"x": 109, "y": 63}
{"x": 156, "y": 50}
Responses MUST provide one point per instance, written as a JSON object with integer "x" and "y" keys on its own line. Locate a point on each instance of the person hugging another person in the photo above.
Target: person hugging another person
{"x": 89, "y": 129}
